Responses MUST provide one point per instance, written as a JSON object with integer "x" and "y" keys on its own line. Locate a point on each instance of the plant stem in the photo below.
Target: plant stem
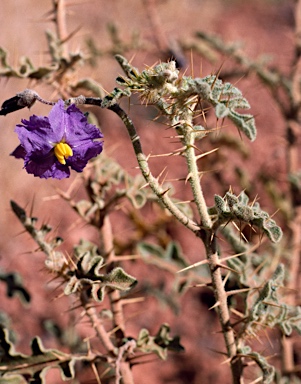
{"x": 194, "y": 179}
{"x": 60, "y": 22}
{"x": 152, "y": 181}
{"x": 99, "y": 328}
{"x": 220, "y": 293}
{"x": 116, "y": 306}
{"x": 206, "y": 234}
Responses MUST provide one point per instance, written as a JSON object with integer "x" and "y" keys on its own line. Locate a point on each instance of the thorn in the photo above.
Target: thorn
{"x": 237, "y": 313}
{"x": 215, "y": 305}
{"x": 200, "y": 285}
{"x": 184, "y": 202}
{"x": 226, "y": 278}
{"x": 164, "y": 192}
{"x": 174, "y": 137}
{"x": 193, "y": 266}
{"x": 71, "y": 34}
{"x": 248, "y": 251}
{"x": 144, "y": 186}
{"x": 94, "y": 369}
{"x": 207, "y": 153}
{"x": 189, "y": 176}
{"x": 226, "y": 267}
{"x": 227, "y": 361}
{"x": 177, "y": 152}
{"x": 70, "y": 261}
{"x": 239, "y": 230}
{"x": 160, "y": 174}
{"x": 217, "y": 74}
{"x": 191, "y": 63}
{"x": 235, "y": 291}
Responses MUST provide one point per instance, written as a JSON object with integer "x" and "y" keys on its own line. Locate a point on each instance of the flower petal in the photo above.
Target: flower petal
{"x": 77, "y": 128}
{"x": 35, "y": 134}
{"x": 46, "y": 168}
{"x": 83, "y": 153}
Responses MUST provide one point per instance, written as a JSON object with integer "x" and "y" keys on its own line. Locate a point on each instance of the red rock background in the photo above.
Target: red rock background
{"x": 264, "y": 27}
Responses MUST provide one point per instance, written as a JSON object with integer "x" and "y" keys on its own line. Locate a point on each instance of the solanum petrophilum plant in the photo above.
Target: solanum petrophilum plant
{"x": 92, "y": 273}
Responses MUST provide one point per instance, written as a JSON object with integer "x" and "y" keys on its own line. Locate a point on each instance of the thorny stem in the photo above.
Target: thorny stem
{"x": 152, "y": 181}
{"x": 206, "y": 234}
{"x": 194, "y": 179}
{"x": 98, "y": 326}
{"x": 209, "y": 240}
{"x": 123, "y": 368}
{"x": 108, "y": 248}
{"x": 54, "y": 258}
{"x": 60, "y": 22}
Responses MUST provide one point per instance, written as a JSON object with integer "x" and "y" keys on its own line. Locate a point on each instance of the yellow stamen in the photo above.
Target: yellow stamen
{"x": 62, "y": 151}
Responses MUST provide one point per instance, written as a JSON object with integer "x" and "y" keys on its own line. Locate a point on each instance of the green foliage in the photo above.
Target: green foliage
{"x": 160, "y": 343}
{"x": 226, "y": 98}
{"x": 110, "y": 183}
{"x": 268, "y": 371}
{"x": 154, "y": 254}
{"x": 173, "y": 96}
{"x": 14, "y": 366}
{"x": 87, "y": 276}
{"x": 268, "y": 311}
{"x": 237, "y": 208}
{"x": 14, "y": 286}
{"x": 26, "y": 69}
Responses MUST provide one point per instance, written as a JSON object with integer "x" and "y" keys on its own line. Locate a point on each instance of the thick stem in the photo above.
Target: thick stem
{"x": 116, "y": 304}
{"x": 209, "y": 240}
{"x": 99, "y": 328}
{"x": 194, "y": 180}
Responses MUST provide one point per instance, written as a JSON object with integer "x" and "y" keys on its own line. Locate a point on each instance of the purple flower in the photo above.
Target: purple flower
{"x": 51, "y": 145}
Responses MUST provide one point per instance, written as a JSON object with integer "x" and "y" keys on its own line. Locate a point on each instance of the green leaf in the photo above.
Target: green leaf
{"x": 156, "y": 255}
{"x": 233, "y": 207}
{"x": 246, "y": 123}
{"x": 149, "y": 249}
{"x": 119, "y": 279}
{"x": 14, "y": 366}
{"x": 160, "y": 343}
{"x": 14, "y": 286}
{"x": 87, "y": 274}
{"x": 221, "y": 111}
{"x": 25, "y": 70}
{"x": 226, "y": 99}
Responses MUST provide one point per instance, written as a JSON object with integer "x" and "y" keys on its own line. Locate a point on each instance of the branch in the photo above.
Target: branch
{"x": 152, "y": 181}
{"x": 220, "y": 293}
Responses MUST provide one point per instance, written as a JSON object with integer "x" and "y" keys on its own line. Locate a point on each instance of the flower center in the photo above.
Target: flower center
{"x": 62, "y": 151}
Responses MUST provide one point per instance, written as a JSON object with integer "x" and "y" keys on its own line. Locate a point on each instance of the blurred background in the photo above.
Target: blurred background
{"x": 145, "y": 32}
